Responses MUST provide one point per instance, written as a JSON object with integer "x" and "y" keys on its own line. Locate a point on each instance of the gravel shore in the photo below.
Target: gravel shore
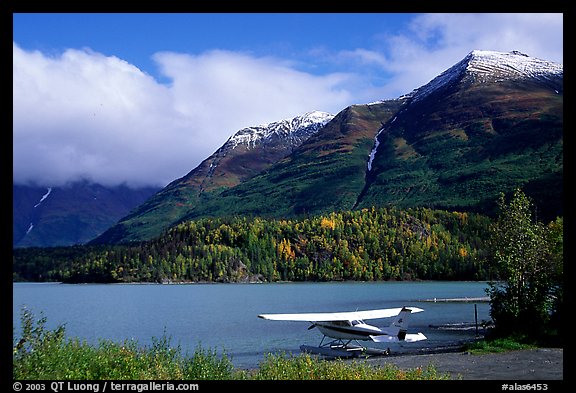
{"x": 531, "y": 364}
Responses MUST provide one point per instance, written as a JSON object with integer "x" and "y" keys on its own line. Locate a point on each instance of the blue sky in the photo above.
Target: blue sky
{"x": 136, "y": 37}
{"x": 143, "y": 98}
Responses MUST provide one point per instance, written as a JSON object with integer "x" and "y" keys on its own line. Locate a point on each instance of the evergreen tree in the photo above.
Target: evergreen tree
{"x": 522, "y": 301}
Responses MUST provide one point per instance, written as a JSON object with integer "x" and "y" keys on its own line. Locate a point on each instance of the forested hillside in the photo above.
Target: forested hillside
{"x": 369, "y": 244}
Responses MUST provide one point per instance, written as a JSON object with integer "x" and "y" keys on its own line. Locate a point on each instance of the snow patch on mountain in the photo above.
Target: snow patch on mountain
{"x": 44, "y": 197}
{"x": 296, "y": 130}
{"x": 490, "y": 66}
{"x": 48, "y": 191}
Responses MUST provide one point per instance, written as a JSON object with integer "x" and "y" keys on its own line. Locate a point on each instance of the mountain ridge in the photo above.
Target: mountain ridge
{"x": 71, "y": 214}
{"x": 491, "y": 122}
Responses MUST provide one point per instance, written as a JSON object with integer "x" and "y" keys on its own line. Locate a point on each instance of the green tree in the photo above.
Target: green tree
{"x": 522, "y": 301}
{"x": 555, "y": 233}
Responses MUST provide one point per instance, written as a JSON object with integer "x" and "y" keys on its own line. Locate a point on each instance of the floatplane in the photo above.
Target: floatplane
{"x": 345, "y": 327}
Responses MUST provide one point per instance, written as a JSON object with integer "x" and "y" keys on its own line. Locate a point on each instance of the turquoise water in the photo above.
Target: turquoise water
{"x": 224, "y": 316}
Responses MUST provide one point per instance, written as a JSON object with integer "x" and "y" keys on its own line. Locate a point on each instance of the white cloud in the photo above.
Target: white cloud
{"x": 85, "y": 115}
{"x": 250, "y": 90}
{"x": 367, "y": 57}
{"x": 434, "y": 42}
{"x": 538, "y": 35}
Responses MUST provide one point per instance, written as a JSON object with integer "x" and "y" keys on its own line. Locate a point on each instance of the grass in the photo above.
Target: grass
{"x": 43, "y": 354}
{"x": 498, "y": 345}
{"x": 306, "y": 367}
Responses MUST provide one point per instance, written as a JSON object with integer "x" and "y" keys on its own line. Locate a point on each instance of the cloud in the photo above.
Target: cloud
{"x": 253, "y": 90}
{"x": 537, "y": 34}
{"x": 432, "y": 43}
{"x": 84, "y": 115}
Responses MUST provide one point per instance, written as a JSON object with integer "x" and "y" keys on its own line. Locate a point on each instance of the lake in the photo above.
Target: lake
{"x": 223, "y": 317}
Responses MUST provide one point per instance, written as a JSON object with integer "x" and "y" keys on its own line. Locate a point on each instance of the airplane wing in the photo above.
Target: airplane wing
{"x": 338, "y": 316}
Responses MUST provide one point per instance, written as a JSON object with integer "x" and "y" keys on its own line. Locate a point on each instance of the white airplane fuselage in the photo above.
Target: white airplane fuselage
{"x": 354, "y": 330}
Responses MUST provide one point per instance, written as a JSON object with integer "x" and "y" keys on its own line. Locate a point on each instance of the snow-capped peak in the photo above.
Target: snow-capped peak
{"x": 491, "y": 66}
{"x": 511, "y": 65}
{"x": 297, "y": 128}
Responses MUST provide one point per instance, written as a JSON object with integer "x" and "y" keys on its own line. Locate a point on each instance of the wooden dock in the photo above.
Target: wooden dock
{"x": 481, "y": 299}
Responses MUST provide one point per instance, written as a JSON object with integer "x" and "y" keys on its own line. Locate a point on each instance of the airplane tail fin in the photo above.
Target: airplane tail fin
{"x": 397, "y": 330}
{"x": 400, "y": 322}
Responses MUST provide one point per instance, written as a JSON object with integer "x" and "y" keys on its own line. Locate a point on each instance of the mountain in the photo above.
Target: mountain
{"x": 251, "y": 150}
{"x": 246, "y": 153}
{"x": 69, "y": 215}
{"x": 489, "y": 124}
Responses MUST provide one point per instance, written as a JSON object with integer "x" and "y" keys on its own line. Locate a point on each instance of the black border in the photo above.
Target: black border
{"x": 7, "y": 8}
